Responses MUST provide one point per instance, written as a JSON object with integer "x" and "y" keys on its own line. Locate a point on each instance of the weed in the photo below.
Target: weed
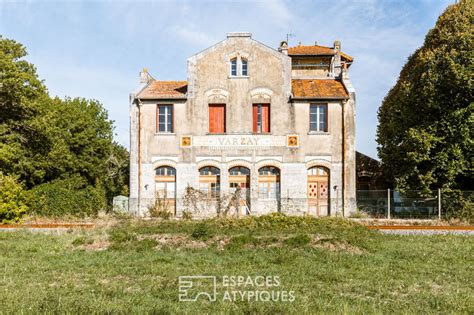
{"x": 299, "y": 240}
{"x": 202, "y": 231}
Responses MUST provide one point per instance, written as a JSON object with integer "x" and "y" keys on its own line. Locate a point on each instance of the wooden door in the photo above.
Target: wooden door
{"x": 318, "y": 191}
{"x": 217, "y": 118}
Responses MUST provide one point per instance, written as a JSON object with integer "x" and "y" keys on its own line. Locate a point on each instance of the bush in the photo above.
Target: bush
{"x": 72, "y": 196}
{"x": 12, "y": 200}
{"x": 298, "y": 240}
{"x": 202, "y": 232}
{"x": 457, "y": 204}
{"x": 243, "y": 240}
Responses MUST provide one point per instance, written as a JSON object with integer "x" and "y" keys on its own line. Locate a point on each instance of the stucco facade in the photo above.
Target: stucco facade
{"x": 292, "y": 139}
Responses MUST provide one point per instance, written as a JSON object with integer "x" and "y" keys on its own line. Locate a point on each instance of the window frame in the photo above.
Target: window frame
{"x": 210, "y": 182}
{"x": 259, "y": 117}
{"x": 242, "y": 67}
{"x": 269, "y": 183}
{"x": 318, "y": 116}
{"x": 231, "y": 65}
{"x": 171, "y": 114}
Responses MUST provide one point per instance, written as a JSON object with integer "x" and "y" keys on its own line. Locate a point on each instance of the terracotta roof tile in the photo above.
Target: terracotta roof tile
{"x": 315, "y": 50}
{"x": 164, "y": 89}
{"x": 322, "y": 88}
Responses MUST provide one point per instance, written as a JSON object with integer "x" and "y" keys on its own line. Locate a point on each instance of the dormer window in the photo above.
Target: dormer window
{"x": 233, "y": 67}
{"x": 244, "y": 67}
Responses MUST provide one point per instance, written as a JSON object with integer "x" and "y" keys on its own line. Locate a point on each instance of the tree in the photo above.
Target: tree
{"x": 425, "y": 131}
{"x": 49, "y": 142}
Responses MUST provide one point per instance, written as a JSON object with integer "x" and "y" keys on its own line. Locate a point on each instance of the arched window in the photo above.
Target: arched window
{"x": 165, "y": 171}
{"x": 210, "y": 181}
{"x": 165, "y": 185}
{"x": 244, "y": 69}
{"x": 233, "y": 67}
{"x": 269, "y": 182}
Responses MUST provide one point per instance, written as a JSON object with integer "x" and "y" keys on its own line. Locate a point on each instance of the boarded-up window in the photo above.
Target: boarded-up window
{"x": 216, "y": 118}
{"x": 261, "y": 118}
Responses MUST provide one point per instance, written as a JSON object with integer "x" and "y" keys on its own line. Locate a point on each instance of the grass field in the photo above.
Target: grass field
{"x": 331, "y": 265}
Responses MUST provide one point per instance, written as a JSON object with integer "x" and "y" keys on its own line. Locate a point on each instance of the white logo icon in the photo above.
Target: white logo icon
{"x": 192, "y": 287}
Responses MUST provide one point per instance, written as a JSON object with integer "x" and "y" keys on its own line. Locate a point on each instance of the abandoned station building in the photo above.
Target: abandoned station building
{"x": 277, "y": 123}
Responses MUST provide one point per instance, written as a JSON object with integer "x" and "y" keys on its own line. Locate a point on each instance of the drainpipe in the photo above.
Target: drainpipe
{"x": 343, "y": 192}
{"x": 139, "y": 105}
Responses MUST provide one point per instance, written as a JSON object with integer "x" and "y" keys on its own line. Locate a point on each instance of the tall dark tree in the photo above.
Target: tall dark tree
{"x": 426, "y": 122}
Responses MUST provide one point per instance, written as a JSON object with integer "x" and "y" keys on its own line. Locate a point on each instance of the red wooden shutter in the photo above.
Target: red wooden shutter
{"x": 265, "y": 118}
{"x": 217, "y": 118}
{"x": 255, "y": 118}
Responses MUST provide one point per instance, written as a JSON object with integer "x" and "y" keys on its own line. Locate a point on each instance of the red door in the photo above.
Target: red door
{"x": 217, "y": 118}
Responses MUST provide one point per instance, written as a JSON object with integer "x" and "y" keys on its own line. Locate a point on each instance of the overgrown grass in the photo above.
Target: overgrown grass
{"x": 332, "y": 265}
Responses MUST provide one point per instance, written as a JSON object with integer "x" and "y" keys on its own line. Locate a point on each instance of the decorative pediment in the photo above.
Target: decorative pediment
{"x": 261, "y": 94}
{"x": 217, "y": 95}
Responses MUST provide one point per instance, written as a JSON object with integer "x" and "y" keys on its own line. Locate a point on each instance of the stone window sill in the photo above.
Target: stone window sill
{"x": 318, "y": 133}
{"x": 238, "y": 77}
{"x": 165, "y": 134}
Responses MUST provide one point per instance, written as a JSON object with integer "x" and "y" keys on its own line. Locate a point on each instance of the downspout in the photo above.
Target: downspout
{"x": 139, "y": 104}
{"x": 343, "y": 193}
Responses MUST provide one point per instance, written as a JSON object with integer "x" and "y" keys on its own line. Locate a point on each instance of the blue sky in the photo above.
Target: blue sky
{"x": 95, "y": 49}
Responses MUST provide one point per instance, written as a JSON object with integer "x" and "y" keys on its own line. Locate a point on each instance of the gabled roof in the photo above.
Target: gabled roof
{"x": 318, "y": 88}
{"x": 164, "y": 89}
{"x": 315, "y": 50}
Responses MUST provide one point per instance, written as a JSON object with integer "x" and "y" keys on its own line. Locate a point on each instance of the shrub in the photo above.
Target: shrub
{"x": 202, "y": 232}
{"x": 240, "y": 241}
{"x": 72, "y": 196}
{"x": 299, "y": 240}
{"x": 160, "y": 208}
{"x": 12, "y": 200}
{"x": 187, "y": 215}
{"x": 458, "y": 204}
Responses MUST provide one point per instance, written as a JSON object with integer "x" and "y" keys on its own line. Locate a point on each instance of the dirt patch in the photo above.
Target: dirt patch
{"x": 97, "y": 245}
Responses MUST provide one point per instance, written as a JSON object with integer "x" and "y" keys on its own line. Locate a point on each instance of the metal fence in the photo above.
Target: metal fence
{"x": 412, "y": 204}
{"x": 383, "y": 204}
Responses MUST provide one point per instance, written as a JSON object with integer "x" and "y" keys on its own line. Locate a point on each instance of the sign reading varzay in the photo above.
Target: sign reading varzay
{"x": 238, "y": 141}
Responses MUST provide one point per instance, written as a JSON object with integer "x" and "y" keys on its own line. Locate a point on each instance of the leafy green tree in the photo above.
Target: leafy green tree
{"x": 426, "y": 122}
{"x": 47, "y": 140}
{"x": 425, "y": 130}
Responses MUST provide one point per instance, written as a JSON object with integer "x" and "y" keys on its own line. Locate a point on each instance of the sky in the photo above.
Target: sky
{"x": 96, "y": 49}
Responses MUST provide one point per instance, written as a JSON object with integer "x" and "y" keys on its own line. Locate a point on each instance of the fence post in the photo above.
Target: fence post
{"x": 388, "y": 203}
{"x": 439, "y": 204}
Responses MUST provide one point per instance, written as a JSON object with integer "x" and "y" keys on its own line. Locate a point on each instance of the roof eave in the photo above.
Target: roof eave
{"x": 320, "y": 98}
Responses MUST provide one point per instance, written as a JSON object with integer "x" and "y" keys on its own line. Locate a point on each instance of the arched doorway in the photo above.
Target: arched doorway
{"x": 318, "y": 191}
{"x": 165, "y": 187}
{"x": 239, "y": 177}
{"x": 210, "y": 181}
{"x": 269, "y": 182}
